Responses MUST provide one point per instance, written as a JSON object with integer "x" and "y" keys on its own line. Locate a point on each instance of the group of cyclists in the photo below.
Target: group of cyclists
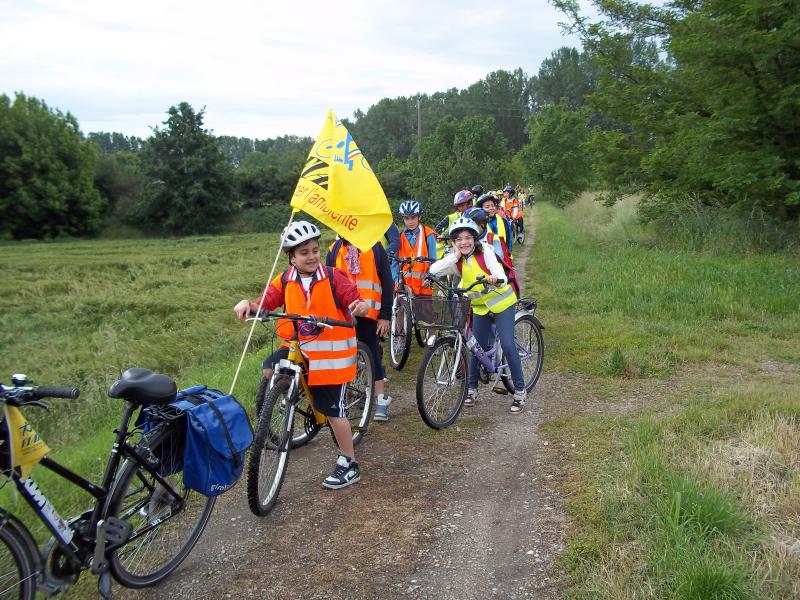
{"x": 475, "y": 241}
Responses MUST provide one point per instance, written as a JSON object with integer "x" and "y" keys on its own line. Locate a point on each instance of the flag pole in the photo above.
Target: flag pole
{"x": 260, "y": 305}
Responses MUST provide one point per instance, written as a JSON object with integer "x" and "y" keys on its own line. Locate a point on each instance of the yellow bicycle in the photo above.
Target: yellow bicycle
{"x": 283, "y": 403}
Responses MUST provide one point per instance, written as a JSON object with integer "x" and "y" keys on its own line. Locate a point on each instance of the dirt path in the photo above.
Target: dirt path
{"x": 472, "y": 511}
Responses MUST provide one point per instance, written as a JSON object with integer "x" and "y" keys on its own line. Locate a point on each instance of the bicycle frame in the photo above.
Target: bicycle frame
{"x": 82, "y": 548}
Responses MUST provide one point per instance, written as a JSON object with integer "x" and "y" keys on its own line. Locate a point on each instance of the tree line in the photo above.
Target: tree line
{"x": 692, "y": 104}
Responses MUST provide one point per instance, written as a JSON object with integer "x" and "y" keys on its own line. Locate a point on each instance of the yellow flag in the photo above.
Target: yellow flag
{"x": 337, "y": 187}
{"x": 25, "y": 445}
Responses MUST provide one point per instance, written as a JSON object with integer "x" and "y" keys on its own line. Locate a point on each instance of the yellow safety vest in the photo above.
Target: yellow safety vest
{"x": 483, "y": 302}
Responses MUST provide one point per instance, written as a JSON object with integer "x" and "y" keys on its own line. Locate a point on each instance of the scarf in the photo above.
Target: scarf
{"x": 351, "y": 258}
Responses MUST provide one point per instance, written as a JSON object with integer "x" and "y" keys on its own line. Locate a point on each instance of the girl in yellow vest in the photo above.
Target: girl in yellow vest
{"x": 371, "y": 272}
{"x": 493, "y": 307}
{"x": 308, "y": 288}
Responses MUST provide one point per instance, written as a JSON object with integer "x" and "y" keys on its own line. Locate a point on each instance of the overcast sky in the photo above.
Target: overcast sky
{"x": 260, "y": 68}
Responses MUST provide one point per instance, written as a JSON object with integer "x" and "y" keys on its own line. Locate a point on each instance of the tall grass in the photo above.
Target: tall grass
{"x": 688, "y": 483}
{"x": 80, "y": 312}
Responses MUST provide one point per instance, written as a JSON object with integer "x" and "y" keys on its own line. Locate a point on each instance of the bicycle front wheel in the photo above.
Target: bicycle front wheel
{"x": 530, "y": 346}
{"x": 165, "y": 529}
{"x": 442, "y": 383}
{"x": 360, "y": 394}
{"x": 17, "y": 576}
{"x": 269, "y": 454}
{"x": 399, "y": 333}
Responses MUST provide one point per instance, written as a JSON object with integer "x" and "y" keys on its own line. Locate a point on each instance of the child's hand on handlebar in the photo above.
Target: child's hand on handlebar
{"x": 242, "y": 309}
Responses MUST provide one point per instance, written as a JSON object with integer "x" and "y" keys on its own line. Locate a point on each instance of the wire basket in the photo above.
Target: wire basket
{"x": 441, "y": 312}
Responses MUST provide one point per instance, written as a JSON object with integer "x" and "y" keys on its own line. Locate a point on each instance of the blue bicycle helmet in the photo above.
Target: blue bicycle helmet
{"x": 477, "y": 214}
{"x": 410, "y": 208}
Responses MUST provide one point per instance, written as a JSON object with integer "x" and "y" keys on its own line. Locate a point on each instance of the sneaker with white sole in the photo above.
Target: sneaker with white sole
{"x": 472, "y": 398}
{"x": 346, "y": 472}
{"x": 519, "y": 401}
{"x": 382, "y": 408}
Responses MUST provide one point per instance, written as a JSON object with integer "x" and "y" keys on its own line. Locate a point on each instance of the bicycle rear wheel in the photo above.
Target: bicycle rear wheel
{"x": 164, "y": 529}
{"x": 400, "y": 333}
{"x": 360, "y": 394}
{"x": 530, "y": 346}
{"x": 442, "y": 383}
{"x": 269, "y": 454}
{"x": 17, "y": 574}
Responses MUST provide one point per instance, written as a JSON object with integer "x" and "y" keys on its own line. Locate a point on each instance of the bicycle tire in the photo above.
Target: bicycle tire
{"x": 17, "y": 570}
{"x": 400, "y": 333}
{"x": 139, "y": 499}
{"x": 439, "y": 402}
{"x": 530, "y": 345}
{"x": 360, "y": 394}
{"x": 269, "y": 455}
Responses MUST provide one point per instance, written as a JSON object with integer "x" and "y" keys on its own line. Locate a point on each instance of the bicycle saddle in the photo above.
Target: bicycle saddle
{"x": 142, "y": 385}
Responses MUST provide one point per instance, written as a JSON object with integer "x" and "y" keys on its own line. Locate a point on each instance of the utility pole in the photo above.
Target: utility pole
{"x": 419, "y": 131}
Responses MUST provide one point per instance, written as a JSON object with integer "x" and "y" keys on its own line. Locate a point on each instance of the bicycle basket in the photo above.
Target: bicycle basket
{"x": 445, "y": 312}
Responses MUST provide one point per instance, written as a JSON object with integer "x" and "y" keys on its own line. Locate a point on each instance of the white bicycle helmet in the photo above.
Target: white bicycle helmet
{"x": 298, "y": 232}
{"x": 409, "y": 208}
{"x": 464, "y": 223}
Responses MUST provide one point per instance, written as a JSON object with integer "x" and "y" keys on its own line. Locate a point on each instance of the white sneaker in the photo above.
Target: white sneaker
{"x": 519, "y": 401}
{"x": 346, "y": 472}
{"x": 382, "y": 409}
{"x": 472, "y": 398}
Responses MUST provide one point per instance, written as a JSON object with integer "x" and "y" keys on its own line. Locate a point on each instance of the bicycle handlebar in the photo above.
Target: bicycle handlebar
{"x": 411, "y": 260}
{"x": 20, "y": 396}
{"x": 264, "y": 315}
{"x": 481, "y": 280}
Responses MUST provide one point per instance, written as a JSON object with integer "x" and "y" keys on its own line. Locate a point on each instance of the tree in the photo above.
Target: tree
{"x": 566, "y": 76}
{"x": 109, "y": 143}
{"x": 556, "y": 158}
{"x": 46, "y": 173}
{"x": 706, "y": 92}
{"x": 457, "y": 155}
{"x": 189, "y": 188}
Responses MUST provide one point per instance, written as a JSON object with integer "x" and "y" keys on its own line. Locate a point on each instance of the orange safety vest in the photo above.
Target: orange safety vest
{"x": 509, "y": 206}
{"x": 415, "y": 276}
{"x": 369, "y": 285}
{"x": 331, "y": 354}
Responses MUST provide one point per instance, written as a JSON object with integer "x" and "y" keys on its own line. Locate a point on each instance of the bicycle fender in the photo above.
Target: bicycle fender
{"x": 12, "y": 522}
{"x": 537, "y": 321}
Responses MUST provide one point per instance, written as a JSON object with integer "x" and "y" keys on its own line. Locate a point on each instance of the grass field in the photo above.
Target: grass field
{"x": 687, "y": 481}
{"x": 77, "y": 313}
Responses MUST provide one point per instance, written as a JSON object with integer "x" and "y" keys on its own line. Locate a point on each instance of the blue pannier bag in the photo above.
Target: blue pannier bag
{"x": 218, "y": 432}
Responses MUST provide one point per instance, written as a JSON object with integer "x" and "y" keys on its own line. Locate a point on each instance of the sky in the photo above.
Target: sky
{"x": 260, "y": 68}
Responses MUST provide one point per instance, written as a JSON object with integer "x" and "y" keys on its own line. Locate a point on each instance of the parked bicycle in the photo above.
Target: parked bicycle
{"x": 442, "y": 377}
{"x": 143, "y": 523}
{"x": 284, "y": 405}
{"x": 406, "y": 308}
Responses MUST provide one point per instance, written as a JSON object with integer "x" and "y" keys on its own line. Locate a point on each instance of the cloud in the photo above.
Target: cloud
{"x": 260, "y": 68}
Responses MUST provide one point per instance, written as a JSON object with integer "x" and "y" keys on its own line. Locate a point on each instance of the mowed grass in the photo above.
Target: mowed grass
{"x": 686, "y": 480}
{"x": 78, "y": 313}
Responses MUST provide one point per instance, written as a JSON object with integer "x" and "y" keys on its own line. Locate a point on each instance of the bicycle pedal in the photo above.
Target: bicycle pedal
{"x": 104, "y": 586}
{"x": 117, "y": 532}
{"x": 498, "y": 389}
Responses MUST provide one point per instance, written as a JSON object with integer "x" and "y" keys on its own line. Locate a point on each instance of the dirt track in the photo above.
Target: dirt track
{"x": 472, "y": 511}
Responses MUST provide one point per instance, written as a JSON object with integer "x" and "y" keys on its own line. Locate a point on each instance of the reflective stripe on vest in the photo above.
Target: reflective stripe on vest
{"x": 331, "y": 364}
{"x": 333, "y": 346}
{"x": 495, "y": 301}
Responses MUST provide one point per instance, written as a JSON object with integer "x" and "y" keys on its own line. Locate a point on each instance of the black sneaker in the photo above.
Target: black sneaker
{"x": 346, "y": 472}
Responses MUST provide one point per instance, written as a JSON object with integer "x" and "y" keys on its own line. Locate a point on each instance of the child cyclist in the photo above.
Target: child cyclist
{"x": 371, "y": 272}
{"x": 417, "y": 240}
{"x": 496, "y": 306}
{"x": 306, "y": 288}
